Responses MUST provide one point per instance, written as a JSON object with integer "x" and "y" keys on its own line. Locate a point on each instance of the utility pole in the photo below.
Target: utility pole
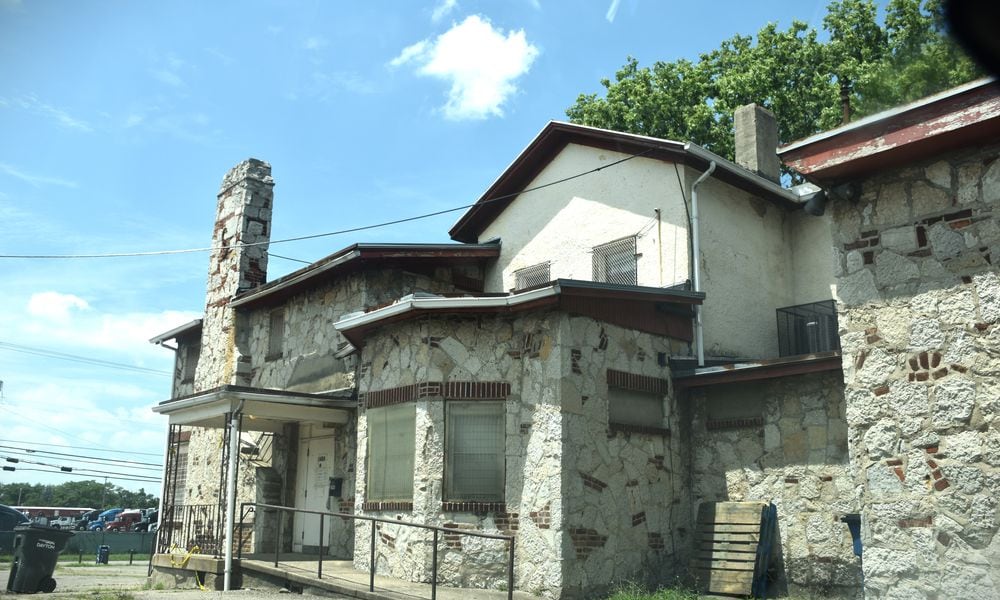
{"x": 104, "y": 493}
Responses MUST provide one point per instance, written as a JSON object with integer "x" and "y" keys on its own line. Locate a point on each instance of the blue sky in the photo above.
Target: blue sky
{"x": 118, "y": 120}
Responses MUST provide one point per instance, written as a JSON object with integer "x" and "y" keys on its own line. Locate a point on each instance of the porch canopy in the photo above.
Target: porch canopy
{"x": 262, "y": 409}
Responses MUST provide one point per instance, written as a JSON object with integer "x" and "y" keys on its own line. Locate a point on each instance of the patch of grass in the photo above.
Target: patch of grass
{"x": 634, "y": 591}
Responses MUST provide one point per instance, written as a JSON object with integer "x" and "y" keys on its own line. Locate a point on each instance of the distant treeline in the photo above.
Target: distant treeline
{"x": 74, "y": 493}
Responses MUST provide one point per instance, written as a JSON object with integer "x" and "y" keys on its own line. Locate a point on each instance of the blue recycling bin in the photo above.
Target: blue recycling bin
{"x": 36, "y": 550}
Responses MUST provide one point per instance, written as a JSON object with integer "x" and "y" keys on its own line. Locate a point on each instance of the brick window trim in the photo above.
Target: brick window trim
{"x": 741, "y": 423}
{"x": 388, "y": 505}
{"x": 614, "y": 428}
{"x": 447, "y": 390}
{"x": 472, "y": 506}
{"x": 637, "y": 383}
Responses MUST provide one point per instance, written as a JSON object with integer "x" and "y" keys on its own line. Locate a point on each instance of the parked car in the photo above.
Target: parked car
{"x": 85, "y": 519}
{"x": 10, "y": 518}
{"x": 123, "y": 521}
{"x": 148, "y": 522}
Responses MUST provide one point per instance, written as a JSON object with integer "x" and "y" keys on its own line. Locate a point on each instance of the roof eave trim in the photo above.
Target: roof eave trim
{"x": 175, "y": 332}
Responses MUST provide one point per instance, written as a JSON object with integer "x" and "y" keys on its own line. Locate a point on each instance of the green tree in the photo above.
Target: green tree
{"x": 791, "y": 72}
{"x": 75, "y": 493}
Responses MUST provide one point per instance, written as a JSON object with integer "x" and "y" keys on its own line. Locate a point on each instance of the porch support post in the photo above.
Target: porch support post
{"x": 234, "y": 457}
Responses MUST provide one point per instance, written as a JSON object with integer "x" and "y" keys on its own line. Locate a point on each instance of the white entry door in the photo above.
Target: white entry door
{"x": 312, "y": 489}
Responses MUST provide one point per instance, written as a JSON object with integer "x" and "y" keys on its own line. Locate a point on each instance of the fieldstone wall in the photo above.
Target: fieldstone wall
{"x": 591, "y": 503}
{"x": 920, "y": 304}
{"x": 433, "y": 359}
{"x": 784, "y": 441}
{"x": 625, "y": 498}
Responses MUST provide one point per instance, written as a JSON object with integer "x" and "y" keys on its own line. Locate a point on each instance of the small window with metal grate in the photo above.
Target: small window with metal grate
{"x": 615, "y": 262}
{"x": 529, "y": 277}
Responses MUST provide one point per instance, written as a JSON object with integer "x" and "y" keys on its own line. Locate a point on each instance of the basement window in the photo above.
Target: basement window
{"x": 616, "y": 262}
{"x": 390, "y": 452}
{"x": 532, "y": 276}
{"x": 275, "y": 334}
{"x": 636, "y": 412}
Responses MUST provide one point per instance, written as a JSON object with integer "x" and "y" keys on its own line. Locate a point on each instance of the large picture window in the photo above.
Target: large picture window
{"x": 390, "y": 452}
{"x": 474, "y": 448}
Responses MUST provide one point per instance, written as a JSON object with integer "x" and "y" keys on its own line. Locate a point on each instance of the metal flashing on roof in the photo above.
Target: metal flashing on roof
{"x": 188, "y": 327}
{"x": 759, "y": 369}
{"x": 355, "y": 254}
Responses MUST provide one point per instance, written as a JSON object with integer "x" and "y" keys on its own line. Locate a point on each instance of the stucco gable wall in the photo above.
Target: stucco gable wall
{"x": 563, "y": 222}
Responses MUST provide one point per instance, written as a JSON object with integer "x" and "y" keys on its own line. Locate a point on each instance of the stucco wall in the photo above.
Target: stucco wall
{"x": 783, "y": 441}
{"x": 920, "y": 302}
{"x": 753, "y": 262}
{"x": 562, "y": 223}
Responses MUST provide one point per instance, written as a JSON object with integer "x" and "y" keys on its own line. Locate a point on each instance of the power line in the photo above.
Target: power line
{"x": 298, "y": 260}
{"x": 82, "y": 448}
{"x": 85, "y": 471}
{"x": 17, "y": 415}
{"x": 81, "y": 458}
{"x": 330, "y": 233}
{"x": 139, "y": 479}
{"x": 76, "y": 358}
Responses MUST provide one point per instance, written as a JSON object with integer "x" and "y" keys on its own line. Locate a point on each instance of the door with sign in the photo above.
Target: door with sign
{"x": 315, "y": 468}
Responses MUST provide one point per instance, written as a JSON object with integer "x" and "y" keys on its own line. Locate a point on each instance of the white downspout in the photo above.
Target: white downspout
{"x": 699, "y": 341}
{"x": 234, "y": 457}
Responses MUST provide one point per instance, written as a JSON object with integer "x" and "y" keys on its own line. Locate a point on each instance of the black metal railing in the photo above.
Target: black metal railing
{"x": 190, "y": 525}
{"x": 248, "y": 507}
{"x": 808, "y": 328}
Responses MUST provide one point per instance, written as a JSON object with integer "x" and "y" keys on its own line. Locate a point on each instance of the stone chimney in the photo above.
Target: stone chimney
{"x": 243, "y": 216}
{"x": 757, "y": 141}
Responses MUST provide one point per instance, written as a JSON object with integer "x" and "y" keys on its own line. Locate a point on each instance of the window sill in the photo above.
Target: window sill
{"x": 384, "y": 505}
{"x": 473, "y": 506}
{"x": 614, "y": 428}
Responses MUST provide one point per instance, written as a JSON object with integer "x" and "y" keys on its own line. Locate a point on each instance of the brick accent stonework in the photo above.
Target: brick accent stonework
{"x": 586, "y": 541}
{"x": 638, "y": 383}
{"x": 449, "y": 390}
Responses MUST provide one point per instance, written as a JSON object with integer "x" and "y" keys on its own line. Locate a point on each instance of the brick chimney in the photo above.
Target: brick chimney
{"x": 243, "y": 216}
{"x": 757, "y": 141}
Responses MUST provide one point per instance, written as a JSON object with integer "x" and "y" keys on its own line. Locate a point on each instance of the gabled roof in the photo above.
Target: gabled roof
{"x": 960, "y": 117}
{"x": 653, "y": 310}
{"x": 551, "y": 140}
{"x": 360, "y": 256}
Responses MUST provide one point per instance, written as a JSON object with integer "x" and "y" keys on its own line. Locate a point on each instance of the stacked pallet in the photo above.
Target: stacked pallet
{"x": 727, "y": 544}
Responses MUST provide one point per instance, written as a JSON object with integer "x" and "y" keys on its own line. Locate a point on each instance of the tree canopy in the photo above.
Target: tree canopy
{"x": 74, "y": 494}
{"x": 791, "y": 72}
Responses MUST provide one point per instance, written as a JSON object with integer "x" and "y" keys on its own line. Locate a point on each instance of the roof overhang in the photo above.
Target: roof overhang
{"x": 960, "y": 117}
{"x": 182, "y": 331}
{"x": 556, "y": 135}
{"x": 759, "y": 370}
{"x": 360, "y": 256}
{"x": 654, "y": 310}
{"x": 262, "y": 409}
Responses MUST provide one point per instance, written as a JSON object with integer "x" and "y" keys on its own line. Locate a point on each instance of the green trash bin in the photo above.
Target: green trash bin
{"x": 36, "y": 550}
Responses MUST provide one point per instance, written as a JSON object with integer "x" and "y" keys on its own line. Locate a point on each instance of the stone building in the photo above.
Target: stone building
{"x": 566, "y": 374}
{"x": 914, "y": 194}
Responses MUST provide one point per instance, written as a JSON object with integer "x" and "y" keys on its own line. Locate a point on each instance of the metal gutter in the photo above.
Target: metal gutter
{"x": 176, "y": 331}
{"x": 235, "y": 394}
{"x": 738, "y": 171}
{"x": 757, "y": 370}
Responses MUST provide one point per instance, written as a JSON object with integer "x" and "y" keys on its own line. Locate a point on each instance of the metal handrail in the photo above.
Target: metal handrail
{"x": 374, "y": 521}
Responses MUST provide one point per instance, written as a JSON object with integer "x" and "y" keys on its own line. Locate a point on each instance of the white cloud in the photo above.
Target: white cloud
{"x": 612, "y": 11}
{"x": 54, "y": 306}
{"x": 443, "y": 9}
{"x": 315, "y": 43}
{"x": 35, "y": 180}
{"x": 480, "y": 62}
{"x": 32, "y": 104}
{"x": 168, "y": 77}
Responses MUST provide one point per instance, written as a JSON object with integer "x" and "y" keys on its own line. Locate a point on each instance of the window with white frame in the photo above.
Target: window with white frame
{"x": 615, "y": 262}
{"x": 390, "y": 452}
{"x": 275, "y": 334}
{"x": 474, "y": 451}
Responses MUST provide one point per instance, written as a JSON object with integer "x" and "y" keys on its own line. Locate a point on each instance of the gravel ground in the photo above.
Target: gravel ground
{"x": 123, "y": 582}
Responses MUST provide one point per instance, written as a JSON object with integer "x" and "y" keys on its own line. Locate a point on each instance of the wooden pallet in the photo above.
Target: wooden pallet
{"x": 728, "y": 537}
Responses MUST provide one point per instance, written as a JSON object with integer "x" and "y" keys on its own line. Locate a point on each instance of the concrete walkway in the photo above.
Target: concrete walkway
{"x": 339, "y": 577}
